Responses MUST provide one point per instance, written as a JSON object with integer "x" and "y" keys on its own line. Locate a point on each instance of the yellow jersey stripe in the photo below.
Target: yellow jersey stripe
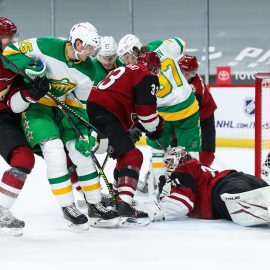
{"x": 183, "y": 114}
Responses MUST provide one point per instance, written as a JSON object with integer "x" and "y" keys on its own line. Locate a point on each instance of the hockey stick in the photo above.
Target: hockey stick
{"x": 62, "y": 106}
{"x": 143, "y": 129}
{"x": 59, "y": 103}
{"x": 101, "y": 171}
{"x": 105, "y": 161}
{"x": 161, "y": 145}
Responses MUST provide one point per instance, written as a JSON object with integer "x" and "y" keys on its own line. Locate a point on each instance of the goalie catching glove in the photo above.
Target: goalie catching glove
{"x": 84, "y": 145}
{"x": 38, "y": 89}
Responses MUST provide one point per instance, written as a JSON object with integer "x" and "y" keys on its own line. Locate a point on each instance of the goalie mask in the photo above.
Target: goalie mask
{"x": 175, "y": 156}
{"x": 87, "y": 34}
{"x": 127, "y": 45}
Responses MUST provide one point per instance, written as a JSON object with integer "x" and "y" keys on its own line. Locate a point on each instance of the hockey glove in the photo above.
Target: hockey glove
{"x": 37, "y": 90}
{"x": 85, "y": 145}
{"x": 134, "y": 134}
{"x": 155, "y": 135}
{"x": 35, "y": 70}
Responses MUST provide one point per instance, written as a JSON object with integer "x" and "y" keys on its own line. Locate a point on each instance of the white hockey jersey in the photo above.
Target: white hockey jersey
{"x": 175, "y": 99}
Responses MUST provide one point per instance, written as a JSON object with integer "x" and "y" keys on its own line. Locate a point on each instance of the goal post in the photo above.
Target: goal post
{"x": 262, "y": 125}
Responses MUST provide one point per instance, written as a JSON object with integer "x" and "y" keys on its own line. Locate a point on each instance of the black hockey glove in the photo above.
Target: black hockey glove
{"x": 38, "y": 89}
{"x": 135, "y": 134}
{"x": 155, "y": 135}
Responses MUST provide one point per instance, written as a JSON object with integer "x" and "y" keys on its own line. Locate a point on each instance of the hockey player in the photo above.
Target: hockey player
{"x": 71, "y": 74}
{"x": 189, "y": 67}
{"x": 198, "y": 191}
{"x": 107, "y": 59}
{"x": 126, "y": 95}
{"x": 105, "y": 62}
{"x": 176, "y": 101}
{"x": 15, "y": 97}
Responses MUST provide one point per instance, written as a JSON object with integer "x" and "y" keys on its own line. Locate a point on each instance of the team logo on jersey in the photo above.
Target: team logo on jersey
{"x": 62, "y": 86}
{"x": 249, "y": 106}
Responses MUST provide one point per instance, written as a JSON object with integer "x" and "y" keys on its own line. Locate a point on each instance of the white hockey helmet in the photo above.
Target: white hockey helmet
{"x": 87, "y": 33}
{"x": 175, "y": 156}
{"x": 127, "y": 43}
{"x": 108, "y": 46}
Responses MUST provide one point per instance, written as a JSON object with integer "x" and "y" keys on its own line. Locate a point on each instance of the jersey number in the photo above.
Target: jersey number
{"x": 25, "y": 46}
{"x": 116, "y": 74}
{"x": 165, "y": 84}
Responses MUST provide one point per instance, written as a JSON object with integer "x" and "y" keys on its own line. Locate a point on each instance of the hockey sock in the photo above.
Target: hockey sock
{"x": 10, "y": 186}
{"x": 55, "y": 158}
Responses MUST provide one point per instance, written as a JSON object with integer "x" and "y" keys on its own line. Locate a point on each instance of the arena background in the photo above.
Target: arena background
{"x": 237, "y": 31}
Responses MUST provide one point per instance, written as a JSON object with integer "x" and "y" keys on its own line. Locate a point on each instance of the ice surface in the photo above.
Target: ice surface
{"x": 185, "y": 244}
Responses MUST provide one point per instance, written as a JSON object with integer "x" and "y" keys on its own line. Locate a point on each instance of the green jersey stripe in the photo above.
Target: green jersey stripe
{"x": 178, "y": 107}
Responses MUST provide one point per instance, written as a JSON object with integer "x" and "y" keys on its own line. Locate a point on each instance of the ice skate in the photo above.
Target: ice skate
{"x": 130, "y": 216}
{"x": 76, "y": 220}
{"x": 9, "y": 225}
{"x": 102, "y": 217}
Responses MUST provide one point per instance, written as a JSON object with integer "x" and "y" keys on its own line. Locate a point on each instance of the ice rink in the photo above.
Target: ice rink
{"x": 187, "y": 244}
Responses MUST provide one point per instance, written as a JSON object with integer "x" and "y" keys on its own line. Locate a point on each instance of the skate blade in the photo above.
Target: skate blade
{"x": 78, "y": 227}
{"x": 104, "y": 223}
{"x": 11, "y": 231}
{"x": 127, "y": 222}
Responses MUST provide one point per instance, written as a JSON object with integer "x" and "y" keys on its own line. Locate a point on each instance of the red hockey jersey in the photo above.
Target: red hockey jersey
{"x": 192, "y": 186}
{"x": 6, "y": 91}
{"x": 129, "y": 93}
{"x": 206, "y": 102}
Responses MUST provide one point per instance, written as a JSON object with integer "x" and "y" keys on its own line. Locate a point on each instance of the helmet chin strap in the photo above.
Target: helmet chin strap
{"x": 76, "y": 53}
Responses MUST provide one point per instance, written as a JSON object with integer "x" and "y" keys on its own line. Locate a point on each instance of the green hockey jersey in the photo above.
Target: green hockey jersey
{"x": 101, "y": 72}
{"x": 71, "y": 81}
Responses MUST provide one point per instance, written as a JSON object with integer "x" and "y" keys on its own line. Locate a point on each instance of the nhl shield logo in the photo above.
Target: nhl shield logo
{"x": 249, "y": 107}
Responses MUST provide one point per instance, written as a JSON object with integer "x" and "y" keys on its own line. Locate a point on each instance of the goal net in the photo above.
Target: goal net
{"x": 262, "y": 126}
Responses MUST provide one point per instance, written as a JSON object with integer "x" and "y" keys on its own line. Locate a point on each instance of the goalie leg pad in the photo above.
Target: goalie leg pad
{"x": 249, "y": 208}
